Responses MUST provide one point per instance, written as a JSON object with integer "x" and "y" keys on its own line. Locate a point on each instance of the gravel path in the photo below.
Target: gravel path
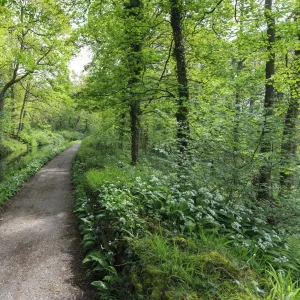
{"x": 39, "y": 245}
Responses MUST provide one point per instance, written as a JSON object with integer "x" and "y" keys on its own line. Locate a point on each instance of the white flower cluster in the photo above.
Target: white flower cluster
{"x": 236, "y": 225}
{"x": 281, "y": 259}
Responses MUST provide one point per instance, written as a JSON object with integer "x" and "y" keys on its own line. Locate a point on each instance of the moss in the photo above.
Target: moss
{"x": 214, "y": 263}
{"x": 180, "y": 241}
{"x": 170, "y": 269}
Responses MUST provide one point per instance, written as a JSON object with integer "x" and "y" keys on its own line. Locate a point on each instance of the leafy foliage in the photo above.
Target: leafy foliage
{"x": 165, "y": 233}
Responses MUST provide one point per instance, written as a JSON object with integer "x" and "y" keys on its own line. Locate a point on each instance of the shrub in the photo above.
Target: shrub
{"x": 9, "y": 145}
{"x": 71, "y": 135}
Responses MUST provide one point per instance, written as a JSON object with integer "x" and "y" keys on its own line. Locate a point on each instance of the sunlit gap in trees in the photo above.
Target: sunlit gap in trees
{"x": 79, "y": 62}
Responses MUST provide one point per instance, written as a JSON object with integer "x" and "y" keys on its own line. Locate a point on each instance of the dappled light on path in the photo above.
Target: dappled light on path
{"x": 39, "y": 246}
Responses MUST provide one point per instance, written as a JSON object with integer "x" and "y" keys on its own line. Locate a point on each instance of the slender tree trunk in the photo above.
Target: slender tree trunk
{"x": 289, "y": 143}
{"x": 122, "y": 123}
{"x": 2, "y": 97}
{"x": 183, "y": 90}
{"x": 238, "y": 87}
{"x": 76, "y": 123}
{"x": 144, "y": 139}
{"x": 236, "y": 128}
{"x": 133, "y": 9}
{"x": 13, "y": 110}
{"x": 264, "y": 179}
{"x": 236, "y": 125}
{"x": 86, "y": 128}
{"x": 289, "y": 135}
{"x": 135, "y": 131}
{"x": 22, "y": 112}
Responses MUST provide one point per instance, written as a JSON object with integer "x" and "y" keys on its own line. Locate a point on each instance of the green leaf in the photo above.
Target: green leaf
{"x": 100, "y": 285}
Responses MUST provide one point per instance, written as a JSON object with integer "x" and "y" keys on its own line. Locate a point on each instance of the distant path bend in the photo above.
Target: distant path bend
{"x": 39, "y": 244}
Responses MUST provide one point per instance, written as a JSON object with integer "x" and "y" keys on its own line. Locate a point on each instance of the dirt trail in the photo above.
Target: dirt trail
{"x": 39, "y": 244}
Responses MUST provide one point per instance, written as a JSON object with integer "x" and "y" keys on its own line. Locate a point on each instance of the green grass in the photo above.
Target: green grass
{"x": 283, "y": 286}
{"x": 181, "y": 268}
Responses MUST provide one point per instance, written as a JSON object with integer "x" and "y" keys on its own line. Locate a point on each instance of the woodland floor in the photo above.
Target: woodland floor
{"x": 40, "y": 255}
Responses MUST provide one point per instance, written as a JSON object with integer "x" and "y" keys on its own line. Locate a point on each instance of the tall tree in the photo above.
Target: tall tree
{"x": 134, "y": 38}
{"x": 32, "y": 41}
{"x": 181, "y": 72}
{"x": 289, "y": 135}
{"x": 23, "y": 107}
{"x": 264, "y": 192}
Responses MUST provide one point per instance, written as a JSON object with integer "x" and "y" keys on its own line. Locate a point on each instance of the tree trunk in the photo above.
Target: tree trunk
{"x": 238, "y": 87}
{"x": 22, "y": 113}
{"x": 133, "y": 8}
{"x": 76, "y": 123}
{"x": 237, "y": 110}
{"x": 289, "y": 135}
{"x": 135, "y": 131}
{"x": 183, "y": 91}
{"x": 236, "y": 125}
{"x": 144, "y": 137}
{"x": 264, "y": 179}
{"x": 9, "y": 84}
{"x": 13, "y": 110}
{"x": 2, "y": 97}
{"x": 86, "y": 128}
{"x": 122, "y": 123}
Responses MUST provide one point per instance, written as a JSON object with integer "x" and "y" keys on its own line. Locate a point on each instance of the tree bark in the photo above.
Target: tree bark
{"x": 7, "y": 86}
{"x": 134, "y": 38}
{"x": 86, "y": 128}
{"x": 236, "y": 128}
{"x": 236, "y": 125}
{"x": 183, "y": 130}
{"x": 13, "y": 110}
{"x": 22, "y": 112}
{"x": 135, "y": 131}
{"x": 76, "y": 123}
{"x": 264, "y": 179}
{"x": 144, "y": 137}
{"x": 14, "y": 79}
{"x": 289, "y": 135}
{"x": 122, "y": 123}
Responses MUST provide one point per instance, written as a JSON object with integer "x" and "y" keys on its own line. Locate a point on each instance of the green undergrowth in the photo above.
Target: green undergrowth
{"x": 33, "y": 138}
{"x": 181, "y": 268}
{"x": 38, "y": 138}
{"x": 147, "y": 235}
{"x": 70, "y": 135}
{"x": 25, "y": 168}
{"x": 10, "y": 145}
